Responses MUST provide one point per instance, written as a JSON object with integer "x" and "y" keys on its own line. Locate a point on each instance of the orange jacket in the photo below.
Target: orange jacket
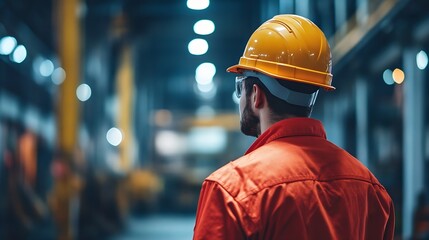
{"x": 294, "y": 184}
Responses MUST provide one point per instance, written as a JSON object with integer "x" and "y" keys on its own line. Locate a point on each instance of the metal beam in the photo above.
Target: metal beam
{"x": 344, "y": 44}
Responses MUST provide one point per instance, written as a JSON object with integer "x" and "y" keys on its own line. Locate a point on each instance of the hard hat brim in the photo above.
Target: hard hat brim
{"x": 240, "y": 69}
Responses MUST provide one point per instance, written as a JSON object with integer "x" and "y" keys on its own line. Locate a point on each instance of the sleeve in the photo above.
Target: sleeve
{"x": 390, "y": 227}
{"x": 219, "y": 216}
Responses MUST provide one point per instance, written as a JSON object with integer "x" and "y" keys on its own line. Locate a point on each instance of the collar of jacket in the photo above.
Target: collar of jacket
{"x": 291, "y": 127}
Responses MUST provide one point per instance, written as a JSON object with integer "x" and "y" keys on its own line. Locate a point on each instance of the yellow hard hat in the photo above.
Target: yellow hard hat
{"x": 289, "y": 47}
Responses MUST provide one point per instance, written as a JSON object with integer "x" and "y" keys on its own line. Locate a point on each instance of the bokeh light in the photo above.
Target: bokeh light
{"x": 198, "y": 4}
{"x": 205, "y": 72}
{"x": 114, "y": 136}
{"x": 422, "y": 60}
{"x": 19, "y": 54}
{"x": 198, "y": 46}
{"x": 398, "y": 76}
{"x": 387, "y": 77}
{"x": 7, "y": 44}
{"x": 204, "y": 27}
{"x": 83, "y": 92}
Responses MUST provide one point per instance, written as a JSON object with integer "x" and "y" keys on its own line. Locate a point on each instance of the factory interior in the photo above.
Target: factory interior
{"x": 113, "y": 112}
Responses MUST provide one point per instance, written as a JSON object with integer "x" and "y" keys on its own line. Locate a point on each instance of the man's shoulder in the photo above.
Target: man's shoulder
{"x": 283, "y": 161}
{"x": 248, "y": 173}
{"x": 228, "y": 176}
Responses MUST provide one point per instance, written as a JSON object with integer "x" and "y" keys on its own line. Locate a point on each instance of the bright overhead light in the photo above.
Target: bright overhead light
{"x": 198, "y": 4}
{"x": 198, "y": 46}
{"x": 205, "y": 72}
{"x": 387, "y": 77}
{"x": 398, "y": 76}
{"x": 7, "y": 44}
{"x": 204, "y": 27}
{"x": 114, "y": 136}
{"x": 422, "y": 60}
{"x": 83, "y": 92}
{"x": 19, "y": 54}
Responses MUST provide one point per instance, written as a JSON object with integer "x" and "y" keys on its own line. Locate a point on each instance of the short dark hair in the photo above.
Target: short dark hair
{"x": 278, "y": 106}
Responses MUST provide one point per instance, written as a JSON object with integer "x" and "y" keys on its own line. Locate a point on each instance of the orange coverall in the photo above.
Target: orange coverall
{"x": 294, "y": 184}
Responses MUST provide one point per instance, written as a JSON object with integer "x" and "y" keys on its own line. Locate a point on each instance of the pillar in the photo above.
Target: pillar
{"x": 362, "y": 120}
{"x": 413, "y": 132}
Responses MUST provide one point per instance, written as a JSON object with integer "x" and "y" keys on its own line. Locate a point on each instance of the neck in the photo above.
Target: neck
{"x": 267, "y": 120}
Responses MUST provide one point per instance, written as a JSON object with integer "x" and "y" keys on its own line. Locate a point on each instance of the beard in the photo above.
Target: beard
{"x": 249, "y": 122}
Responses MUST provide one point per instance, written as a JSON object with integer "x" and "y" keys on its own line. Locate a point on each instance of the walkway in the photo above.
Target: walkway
{"x": 159, "y": 227}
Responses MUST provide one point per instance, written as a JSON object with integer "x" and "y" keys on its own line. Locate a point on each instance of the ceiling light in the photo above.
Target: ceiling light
{"x": 204, "y": 27}
{"x": 198, "y": 4}
{"x": 205, "y": 72}
{"x": 198, "y": 46}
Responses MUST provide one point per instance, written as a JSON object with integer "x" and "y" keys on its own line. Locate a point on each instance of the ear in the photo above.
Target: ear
{"x": 258, "y": 97}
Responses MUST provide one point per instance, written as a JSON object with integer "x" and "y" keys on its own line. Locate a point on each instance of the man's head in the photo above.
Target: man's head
{"x": 286, "y": 60}
{"x": 277, "y": 109}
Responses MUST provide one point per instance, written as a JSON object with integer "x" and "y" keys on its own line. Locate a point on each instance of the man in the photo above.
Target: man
{"x": 292, "y": 183}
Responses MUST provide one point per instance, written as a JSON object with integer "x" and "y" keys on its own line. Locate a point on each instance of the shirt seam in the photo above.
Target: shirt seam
{"x": 305, "y": 179}
{"x": 294, "y": 180}
{"x": 292, "y": 136}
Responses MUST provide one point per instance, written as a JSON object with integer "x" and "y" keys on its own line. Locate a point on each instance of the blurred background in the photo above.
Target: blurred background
{"x": 112, "y": 112}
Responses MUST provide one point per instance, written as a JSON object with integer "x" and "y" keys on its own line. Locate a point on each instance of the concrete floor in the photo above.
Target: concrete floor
{"x": 158, "y": 227}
